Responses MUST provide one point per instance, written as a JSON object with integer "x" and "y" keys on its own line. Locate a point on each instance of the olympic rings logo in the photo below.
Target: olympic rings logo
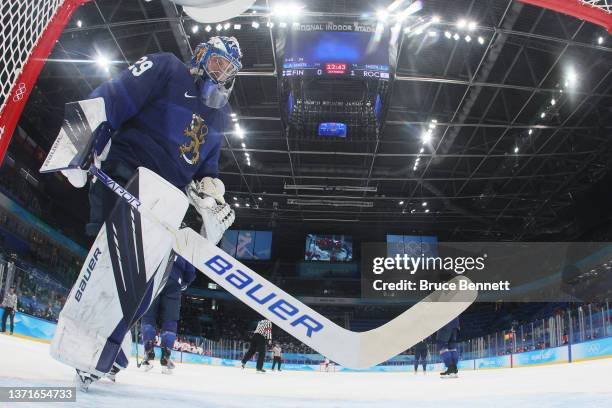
{"x": 593, "y": 349}
{"x": 20, "y": 92}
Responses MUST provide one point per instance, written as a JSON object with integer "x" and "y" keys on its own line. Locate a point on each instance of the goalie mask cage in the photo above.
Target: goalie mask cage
{"x": 28, "y": 33}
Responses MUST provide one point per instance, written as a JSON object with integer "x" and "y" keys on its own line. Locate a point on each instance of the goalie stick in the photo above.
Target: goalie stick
{"x": 357, "y": 350}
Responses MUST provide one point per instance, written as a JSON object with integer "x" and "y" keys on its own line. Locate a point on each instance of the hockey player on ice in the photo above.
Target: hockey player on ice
{"x": 168, "y": 118}
{"x": 447, "y": 338}
{"x": 262, "y": 333}
{"x": 420, "y": 355}
{"x": 167, "y": 308}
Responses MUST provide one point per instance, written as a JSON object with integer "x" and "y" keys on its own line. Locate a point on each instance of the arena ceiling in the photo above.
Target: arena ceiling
{"x": 523, "y": 116}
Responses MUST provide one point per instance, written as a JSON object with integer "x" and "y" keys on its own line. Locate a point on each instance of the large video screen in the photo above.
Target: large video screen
{"x": 412, "y": 245}
{"x": 335, "y": 248}
{"x": 336, "y": 53}
{"x": 249, "y": 245}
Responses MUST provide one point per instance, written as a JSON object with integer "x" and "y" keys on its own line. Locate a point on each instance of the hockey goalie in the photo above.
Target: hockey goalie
{"x": 156, "y": 129}
{"x": 151, "y": 138}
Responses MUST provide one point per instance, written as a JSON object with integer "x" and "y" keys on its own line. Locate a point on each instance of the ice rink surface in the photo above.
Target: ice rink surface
{"x": 586, "y": 384}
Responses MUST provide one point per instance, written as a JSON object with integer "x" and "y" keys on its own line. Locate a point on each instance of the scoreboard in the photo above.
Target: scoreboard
{"x": 336, "y": 54}
{"x": 334, "y": 69}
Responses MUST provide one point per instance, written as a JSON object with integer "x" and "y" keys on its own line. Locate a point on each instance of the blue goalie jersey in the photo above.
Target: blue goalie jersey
{"x": 161, "y": 121}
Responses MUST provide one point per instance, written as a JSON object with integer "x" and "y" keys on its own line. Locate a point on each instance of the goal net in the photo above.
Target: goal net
{"x": 595, "y": 11}
{"x": 29, "y": 30}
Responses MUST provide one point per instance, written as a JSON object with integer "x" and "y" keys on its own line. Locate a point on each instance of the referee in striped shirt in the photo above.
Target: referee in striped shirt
{"x": 262, "y": 333}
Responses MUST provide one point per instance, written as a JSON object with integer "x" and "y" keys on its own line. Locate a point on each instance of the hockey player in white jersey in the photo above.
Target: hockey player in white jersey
{"x": 156, "y": 129}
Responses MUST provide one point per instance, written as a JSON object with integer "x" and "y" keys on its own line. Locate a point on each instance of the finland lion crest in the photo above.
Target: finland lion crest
{"x": 196, "y": 132}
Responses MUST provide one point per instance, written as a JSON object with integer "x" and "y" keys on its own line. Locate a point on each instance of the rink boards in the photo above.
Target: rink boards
{"x": 42, "y": 330}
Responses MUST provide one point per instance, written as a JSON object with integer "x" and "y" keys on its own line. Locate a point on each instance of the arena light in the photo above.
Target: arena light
{"x": 553, "y": 101}
{"x": 435, "y": 19}
{"x": 422, "y": 150}
{"x": 289, "y": 9}
{"x": 260, "y": 199}
{"x": 456, "y": 37}
{"x": 195, "y": 28}
{"x": 382, "y": 14}
{"x": 401, "y": 202}
{"x": 237, "y": 205}
{"x": 219, "y": 27}
{"x": 447, "y": 34}
{"x": 600, "y": 40}
{"x": 103, "y": 62}
{"x": 255, "y": 24}
{"x": 426, "y": 137}
{"x": 235, "y": 198}
{"x": 208, "y": 28}
{"x": 427, "y": 210}
{"x": 80, "y": 24}
{"x": 480, "y": 40}
{"x": 530, "y": 131}
{"x": 462, "y": 23}
{"x": 516, "y": 149}
{"x": 243, "y": 145}
{"x": 226, "y": 26}
{"x": 239, "y": 131}
{"x": 471, "y": 25}
{"x": 424, "y": 204}
{"x": 543, "y": 115}
{"x": 468, "y": 38}
{"x": 571, "y": 77}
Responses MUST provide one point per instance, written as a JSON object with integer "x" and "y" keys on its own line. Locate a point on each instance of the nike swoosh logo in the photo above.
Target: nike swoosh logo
{"x": 189, "y": 96}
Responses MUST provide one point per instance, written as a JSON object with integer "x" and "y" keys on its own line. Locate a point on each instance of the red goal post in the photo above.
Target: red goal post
{"x": 595, "y": 11}
{"x": 29, "y": 30}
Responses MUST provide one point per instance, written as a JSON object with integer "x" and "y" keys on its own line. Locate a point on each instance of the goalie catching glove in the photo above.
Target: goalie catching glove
{"x": 206, "y": 196}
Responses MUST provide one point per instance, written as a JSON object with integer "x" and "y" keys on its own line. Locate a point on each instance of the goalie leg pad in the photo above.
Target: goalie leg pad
{"x": 125, "y": 268}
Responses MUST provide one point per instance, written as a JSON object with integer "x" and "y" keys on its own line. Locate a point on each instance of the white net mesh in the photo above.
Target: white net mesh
{"x": 23, "y": 23}
{"x": 603, "y": 5}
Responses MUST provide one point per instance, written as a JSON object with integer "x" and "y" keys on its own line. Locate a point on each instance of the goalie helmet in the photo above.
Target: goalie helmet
{"x": 217, "y": 61}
